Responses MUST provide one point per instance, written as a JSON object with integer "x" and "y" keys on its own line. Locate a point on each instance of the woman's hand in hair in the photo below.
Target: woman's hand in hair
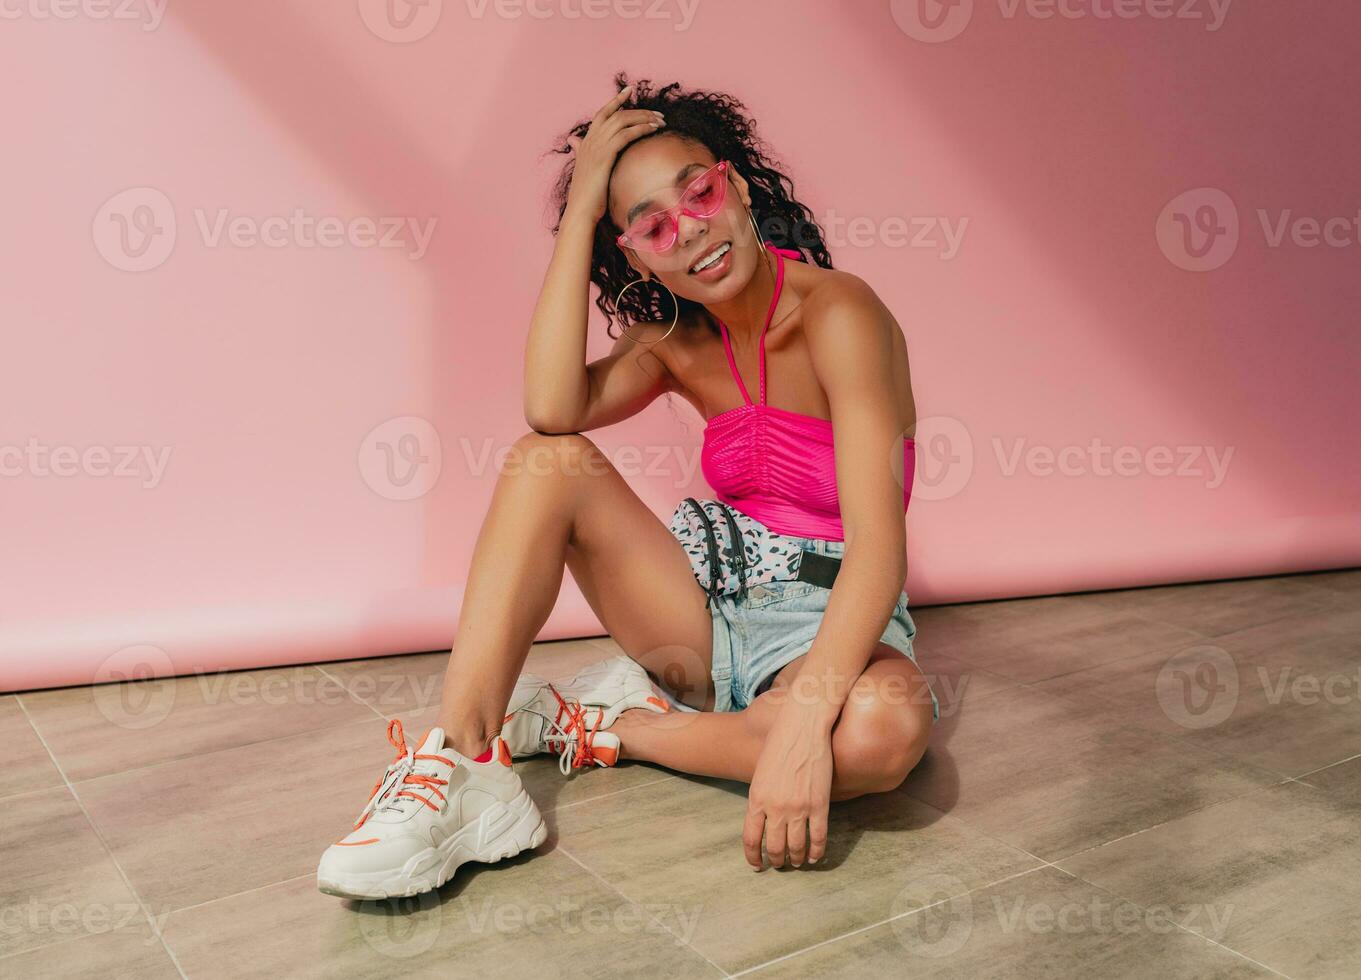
{"x": 611, "y": 129}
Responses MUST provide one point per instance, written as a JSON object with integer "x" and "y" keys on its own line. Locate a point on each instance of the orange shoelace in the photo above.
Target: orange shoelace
{"x": 571, "y": 720}
{"x": 405, "y": 756}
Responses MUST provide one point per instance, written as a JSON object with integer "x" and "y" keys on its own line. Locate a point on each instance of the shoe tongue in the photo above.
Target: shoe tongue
{"x": 434, "y": 744}
{"x": 398, "y": 808}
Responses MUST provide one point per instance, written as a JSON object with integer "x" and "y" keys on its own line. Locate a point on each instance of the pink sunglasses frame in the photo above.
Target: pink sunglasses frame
{"x": 679, "y": 208}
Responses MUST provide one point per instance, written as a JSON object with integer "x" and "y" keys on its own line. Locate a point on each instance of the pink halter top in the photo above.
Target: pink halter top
{"x": 775, "y": 465}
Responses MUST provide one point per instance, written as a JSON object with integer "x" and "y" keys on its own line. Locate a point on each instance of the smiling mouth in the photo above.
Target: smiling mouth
{"x": 712, "y": 257}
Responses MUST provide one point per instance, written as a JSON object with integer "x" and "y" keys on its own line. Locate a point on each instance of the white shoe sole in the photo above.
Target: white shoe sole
{"x": 501, "y": 831}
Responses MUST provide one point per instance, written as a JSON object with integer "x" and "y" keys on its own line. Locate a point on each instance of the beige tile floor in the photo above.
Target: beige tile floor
{"x": 1160, "y": 782}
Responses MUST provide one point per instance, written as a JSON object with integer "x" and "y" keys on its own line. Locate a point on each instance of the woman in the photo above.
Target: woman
{"x": 766, "y": 672}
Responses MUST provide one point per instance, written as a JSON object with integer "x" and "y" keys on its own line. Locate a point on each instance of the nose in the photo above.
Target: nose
{"x": 688, "y": 228}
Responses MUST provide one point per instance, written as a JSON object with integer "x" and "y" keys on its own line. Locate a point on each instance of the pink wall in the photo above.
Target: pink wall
{"x": 260, "y": 525}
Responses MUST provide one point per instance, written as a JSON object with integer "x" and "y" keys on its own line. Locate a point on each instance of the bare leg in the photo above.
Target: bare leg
{"x": 880, "y": 736}
{"x": 560, "y": 503}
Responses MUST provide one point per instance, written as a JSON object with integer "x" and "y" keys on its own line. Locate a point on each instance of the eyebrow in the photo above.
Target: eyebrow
{"x": 643, "y": 205}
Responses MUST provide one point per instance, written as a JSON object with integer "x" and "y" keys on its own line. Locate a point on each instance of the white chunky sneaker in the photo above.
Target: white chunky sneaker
{"x": 433, "y": 810}
{"x": 570, "y": 719}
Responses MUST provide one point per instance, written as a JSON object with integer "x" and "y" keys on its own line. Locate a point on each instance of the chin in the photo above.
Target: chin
{"x": 743, "y": 268}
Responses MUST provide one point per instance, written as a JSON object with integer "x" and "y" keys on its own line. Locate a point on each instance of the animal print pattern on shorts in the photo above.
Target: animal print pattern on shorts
{"x": 767, "y": 555}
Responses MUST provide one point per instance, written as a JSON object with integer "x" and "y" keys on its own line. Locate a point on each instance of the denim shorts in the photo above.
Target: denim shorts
{"x": 757, "y": 633}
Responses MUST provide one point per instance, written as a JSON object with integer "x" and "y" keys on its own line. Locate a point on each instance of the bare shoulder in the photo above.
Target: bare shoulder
{"x": 854, "y": 338}
{"x": 838, "y": 301}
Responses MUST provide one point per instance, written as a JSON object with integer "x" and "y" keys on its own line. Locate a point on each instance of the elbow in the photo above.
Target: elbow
{"x": 548, "y": 415}
{"x": 546, "y": 424}
{"x": 535, "y": 417}
{"x": 538, "y": 417}
{"x": 536, "y": 422}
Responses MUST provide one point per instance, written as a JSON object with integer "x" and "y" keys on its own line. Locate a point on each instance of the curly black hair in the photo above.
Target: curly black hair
{"x": 719, "y": 122}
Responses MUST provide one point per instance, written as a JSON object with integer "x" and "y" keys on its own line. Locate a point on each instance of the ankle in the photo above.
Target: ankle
{"x": 628, "y": 723}
{"x": 628, "y": 718}
{"x": 470, "y": 740}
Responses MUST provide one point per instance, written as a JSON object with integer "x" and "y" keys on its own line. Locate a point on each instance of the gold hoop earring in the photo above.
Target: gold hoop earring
{"x": 674, "y": 319}
{"x": 751, "y": 216}
{"x": 762, "y": 251}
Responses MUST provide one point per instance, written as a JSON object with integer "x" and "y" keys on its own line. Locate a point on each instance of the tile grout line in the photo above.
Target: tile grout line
{"x": 1206, "y": 637}
{"x": 1200, "y": 809}
{"x": 310, "y": 874}
{"x": 346, "y": 688}
{"x": 247, "y": 891}
{"x": 1182, "y": 738}
{"x": 875, "y": 925}
{"x": 1301, "y": 777}
{"x": 1044, "y": 863}
{"x": 219, "y": 898}
{"x": 68, "y": 940}
{"x": 591, "y": 871}
{"x": 988, "y": 884}
{"x": 614, "y": 792}
{"x": 94, "y": 828}
{"x": 211, "y": 752}
{"x": 1192, "y": 932}
{"x": 1055, "y": 865}
{"x": 1035, "y": 682}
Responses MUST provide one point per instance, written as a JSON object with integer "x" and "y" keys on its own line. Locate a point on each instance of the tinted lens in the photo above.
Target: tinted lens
{"x": 651, "y": 231}
{"x": 705, "y": 196}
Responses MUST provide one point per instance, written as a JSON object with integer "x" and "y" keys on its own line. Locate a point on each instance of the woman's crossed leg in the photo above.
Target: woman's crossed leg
{"x": 559, "y": 503}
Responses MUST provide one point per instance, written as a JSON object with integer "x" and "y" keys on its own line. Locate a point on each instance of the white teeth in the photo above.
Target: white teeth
{"x": 713, "y": 257}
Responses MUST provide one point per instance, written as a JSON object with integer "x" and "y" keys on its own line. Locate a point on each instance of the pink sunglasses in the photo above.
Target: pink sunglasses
{"x": 656, "y": 232}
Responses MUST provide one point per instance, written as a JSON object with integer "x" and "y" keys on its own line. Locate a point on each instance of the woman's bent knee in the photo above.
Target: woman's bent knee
{"x": 542, "y": 454}
{"x": 877, "y": 742}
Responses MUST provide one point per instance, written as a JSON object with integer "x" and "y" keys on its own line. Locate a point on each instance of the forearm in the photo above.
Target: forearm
{"x": 862, "y": 600}
{"x": 556, "y": 382}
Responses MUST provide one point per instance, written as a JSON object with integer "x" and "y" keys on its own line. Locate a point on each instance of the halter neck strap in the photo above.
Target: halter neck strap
{"x": 780, "y": 255}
